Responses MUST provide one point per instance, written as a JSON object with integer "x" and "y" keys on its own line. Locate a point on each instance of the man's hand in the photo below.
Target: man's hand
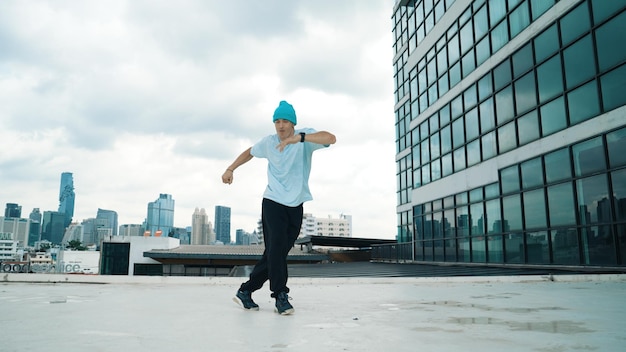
{"x": 291, "y": 140}
{"x": 227, "y": 177}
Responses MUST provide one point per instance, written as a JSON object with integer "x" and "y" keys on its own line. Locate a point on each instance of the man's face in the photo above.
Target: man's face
{"x": 284, "y": 128}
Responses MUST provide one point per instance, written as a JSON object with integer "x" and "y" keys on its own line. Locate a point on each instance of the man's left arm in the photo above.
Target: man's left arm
{"x": 320, "y": 137}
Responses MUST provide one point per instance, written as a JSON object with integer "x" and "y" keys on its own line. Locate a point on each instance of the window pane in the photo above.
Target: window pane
{"x": 547, "y": 43}
{"x": 506, "y": 137}
{"x": 553, "y": 117}
{"x": 446, "y": 165}
{"x": 453, "y": 49}
{"x": 435, "y": 170}
{"x": 496, "y": 249}
{"x": 444, "y": 115}
{"x": 499, "y": 36}
{"x": 588, "y": 157}
{"x": 489, "y": 145}
{"x": 537, "y": 248}
{"x": 509, "y": 178}
{"x": 434, "y": 146}
{"x": 481, "y": 24}
{"x": 483, "y": 50}
{"x": 504, "y": 105}
{"x": 455, "y": 74}
{"x": 532, "y": 173}
{"x": 519, "y": 19}
{"x": 485, "y": 88}
{"x": 528, "y": 127}
{"x": 613, "y": 88}
{"x": 492, "y": 190}
{"x": 502, "y": 75}
{"x": 476, "y": 194}
{"x": 493, "y": 220}
{"x": 558, "y": 165}
{"x": 512, "y": 209}
{"x": 468, "y": 63}
{"x": 467, "y": 37}
{"x": 473, "y": 153}
{"x": 583, "y": 103}
{"x": 616, "y": 145}
{"x": 565, "y": 246}
{"x": 458, "y": 136}
{"x": 459, "y": 159}
{"x": 610, "y": 42}
{"x": 575, "y": 23}
{"x": 497, "y": 10}
{"x": 550, "y": 79}
{"x": 457, "y": 107}
{"x": 522, "y": 60}
{"x": 425, "y": 174}
{"x": 446, "y": 140}
{"x": 561, "y": 205}
{"x": 579, "y": 62}
{"x": 514, "y": 248}
{"x": 598, "y": 245}
{"x": 469, "y": 97}
{"x": 487, "y": 117}
{"x": 594, "y": 202}
{"x": 538, "y": 7}
{"x": 604, "y": 9}
{"x": 471, "y": 124}
{"x": 449, "y": 230}
{"x": 535, "y": 209}
{"x": 525, "y": 95}
{"x": 462, "y": 221}
{"x": 619, "y": 194}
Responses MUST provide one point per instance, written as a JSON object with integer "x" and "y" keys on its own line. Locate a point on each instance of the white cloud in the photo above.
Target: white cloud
{"x": 138, "y": 98}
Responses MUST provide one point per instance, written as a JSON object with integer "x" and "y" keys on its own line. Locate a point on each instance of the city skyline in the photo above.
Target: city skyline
{"x": 188, "y": 95}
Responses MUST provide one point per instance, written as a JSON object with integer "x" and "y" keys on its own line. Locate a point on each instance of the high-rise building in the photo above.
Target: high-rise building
{"x": 111, "y": 219}
{"x": 160, "y": 220}
{"x": 199, "y": 227}
{"x": 222, "y": 224}
{"x": 131, "y": 230}
{"x": 511, "y": 130}
{"x": 329, "y": 226}
{"x": 53, "y": 226}
{"x": 13, "y": 211}
{"x": 67, "y": 197}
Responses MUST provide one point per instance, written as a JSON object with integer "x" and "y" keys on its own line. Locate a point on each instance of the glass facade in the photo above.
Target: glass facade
{"x": 508, "y": 135}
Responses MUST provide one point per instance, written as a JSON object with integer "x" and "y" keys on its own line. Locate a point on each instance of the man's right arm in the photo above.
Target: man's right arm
{"x": 243, "y": 158}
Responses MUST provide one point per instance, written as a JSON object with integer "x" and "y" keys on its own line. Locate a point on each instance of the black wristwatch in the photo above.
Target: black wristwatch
{"x": 302, "y": 137}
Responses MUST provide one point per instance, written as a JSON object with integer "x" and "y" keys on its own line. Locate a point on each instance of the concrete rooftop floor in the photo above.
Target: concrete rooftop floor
{"x": 513, "y": 313}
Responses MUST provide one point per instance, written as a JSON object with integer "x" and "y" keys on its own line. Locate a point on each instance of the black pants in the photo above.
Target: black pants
{"x": 281, "y": 227}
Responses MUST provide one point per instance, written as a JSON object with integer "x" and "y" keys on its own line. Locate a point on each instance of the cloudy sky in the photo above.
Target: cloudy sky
{"x": 137, "y": 98}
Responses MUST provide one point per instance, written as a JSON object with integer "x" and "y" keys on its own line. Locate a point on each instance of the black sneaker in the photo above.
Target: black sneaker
{"x": 283, "y": 307}
{"x": 244, "y": 299}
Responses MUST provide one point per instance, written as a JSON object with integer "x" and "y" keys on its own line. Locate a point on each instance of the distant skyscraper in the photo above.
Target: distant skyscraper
{"x": 160, "y": 215}
{"x": 222, "y": 224}
{"x": 67, "y": 197}
{"x": 53, "y": 226}
{"x": 13, "y": 211}
{"x": 199, "y": 227}
{"x": 35, "y": 226}
{"x": 111, "y": 217}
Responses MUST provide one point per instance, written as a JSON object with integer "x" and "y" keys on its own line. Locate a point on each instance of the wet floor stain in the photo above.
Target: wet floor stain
{"x": 553, "y": 327}
{"x": 489, "y": 308}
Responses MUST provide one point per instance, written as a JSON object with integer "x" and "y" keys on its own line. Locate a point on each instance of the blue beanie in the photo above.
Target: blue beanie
{"x": 285, "y": 111}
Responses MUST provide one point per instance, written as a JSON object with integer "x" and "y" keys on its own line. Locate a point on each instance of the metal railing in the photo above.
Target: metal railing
{"x": 394, "y": 253}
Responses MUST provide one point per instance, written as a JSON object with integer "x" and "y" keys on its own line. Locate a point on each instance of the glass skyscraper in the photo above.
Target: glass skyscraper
{"x": 160, "y": 216}
{"x": 67, "y": 197}
{"x": 222, "y": 224}
{"x": 511, "y": 131}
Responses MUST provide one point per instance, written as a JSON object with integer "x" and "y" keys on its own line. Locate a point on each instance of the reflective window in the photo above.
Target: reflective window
{"x": 444, "y": 115}
{"x": 525, "y": 95}
{"x": 550, "y": 79}
{"x": 483, "y": 50}
{"x": 558, "y": 166}
{"x": 519, "y": 19}
{"x": 579, "y": 62}
{"x": 538, "y": 7}
{"x": 537, "y": 248}
{"x": 619, "y": 194}
{"x": 473, "y": 153}
{"x": 514, "y": 248}
{"x": 446, "y": 140}
{"x": 467, "y": 37}
{"x": 610, "y": 42}
{"x": 442, "y": 62}
{"x": 457, "y": 107}
{"x": 425, "y": 148}
{"x": 455, "y": 74}
{"x": 481, "y": 24}
{"x": 504, "y": 105}
{"x": 613, "y": 87}
{"x": 616, "y": 145}
{"x": 588, "y": 157}
{"x": 448, "y": 223}
{"x": 575, "y": 23}
{"x": 434, "y": 146}
{"x": 493, "y": 219}
{"x": 446, "y": 165}
{"x": 458, "y": 133}
{"x": 509, "y": 179}
{"x": 476, "y": 195}
{"x": 553, "y": 117}
{"x": 547, "y": 43}
{"x": 488, "y": 142}
{"x": 425, "y": 174}
{"x": 528, "y": 127}
{"x": 502, "y": 74}
{"x": 468, "y": 63}
{"x": 565, "y": 246}
{"x": 485, "y": 88}
{"x": 604, "y": 9}
{"x": 535, "y": 209}
{"x": 453, "y": 49}
{"x": 471, "y": 124}
{"x": 561, "y": 205}
{"x": 492, "y": 190}
{"x": 597, "y": 245}
{"x": 487, "y": 116}
{"x": 459, "y": 159}
{"x": 497, "y": 11}
{"x": 511, "y": 206}
{"x": 583, "y": 103}
{"x": 594, "y": 203}
{"x": 479, "y": 250}
{"x": 495, "y": 248}
{"x": 522, "y": 60}
{"x": 462, "y": 221}
{"x": 532, "y": 173}
{"x": 424, "y": 132}
{"x": 506, "y": 137}
{"x": 435, "y": 170}
{"x": 499, "y": 35}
